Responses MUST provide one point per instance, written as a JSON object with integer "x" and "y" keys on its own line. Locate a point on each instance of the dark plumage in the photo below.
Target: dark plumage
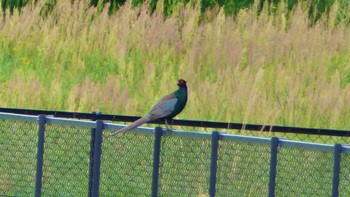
{"x": 165, "y": 109}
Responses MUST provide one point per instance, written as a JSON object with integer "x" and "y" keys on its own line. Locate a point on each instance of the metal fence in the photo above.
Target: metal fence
{"x": 49, "y": 156}
{"x": 316, "y": 135}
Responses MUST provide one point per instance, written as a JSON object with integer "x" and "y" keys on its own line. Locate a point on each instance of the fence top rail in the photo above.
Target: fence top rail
{"x": 186, "y": 134}
{"x": 192, "y": 123}
{"x": 346, "y": 148}
{"x": 305, "y": 145}
{"x": 18, "y": 117}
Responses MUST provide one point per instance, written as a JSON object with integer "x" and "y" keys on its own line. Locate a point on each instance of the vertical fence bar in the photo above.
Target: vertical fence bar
{"x": 156, "y": 160}
{"x": 273, "y": 166}
{"x": 97, "y": 159}
{"x": 92, "y": 144}
{"x": 40, "y": 155}
{"x": 336, "y": 169}
{"x": 213, "y": 162}
{"x": 91, "y": 163}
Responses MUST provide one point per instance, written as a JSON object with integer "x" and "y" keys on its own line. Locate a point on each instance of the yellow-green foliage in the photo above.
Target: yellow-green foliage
{"x": 266, "y": 69}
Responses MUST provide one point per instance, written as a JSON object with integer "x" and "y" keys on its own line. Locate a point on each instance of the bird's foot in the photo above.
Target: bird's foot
{"x": 168, "y": 129}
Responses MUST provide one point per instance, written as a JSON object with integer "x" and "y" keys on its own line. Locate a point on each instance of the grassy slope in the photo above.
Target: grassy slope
{"x": 244, "y": 70}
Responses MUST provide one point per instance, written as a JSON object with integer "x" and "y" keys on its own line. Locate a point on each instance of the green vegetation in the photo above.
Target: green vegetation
{"x": 315, "y": 8}
{"x": 263, "y": 68}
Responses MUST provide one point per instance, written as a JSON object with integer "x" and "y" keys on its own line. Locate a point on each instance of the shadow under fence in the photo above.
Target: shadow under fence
{"x": 49, "y": 156}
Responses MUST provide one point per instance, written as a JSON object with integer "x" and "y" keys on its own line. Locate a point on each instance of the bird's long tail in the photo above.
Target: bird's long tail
{"x": 132, "y": 126}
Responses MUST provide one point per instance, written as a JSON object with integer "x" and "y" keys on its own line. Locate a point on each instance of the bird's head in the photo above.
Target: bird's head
{"x": 181, "y": 83}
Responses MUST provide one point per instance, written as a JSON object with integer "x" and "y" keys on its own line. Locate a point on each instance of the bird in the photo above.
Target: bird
{"x": 165, "y": 109}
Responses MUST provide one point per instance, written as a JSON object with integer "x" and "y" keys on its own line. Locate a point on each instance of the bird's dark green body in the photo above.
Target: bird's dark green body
{"x": 181, "y": 95}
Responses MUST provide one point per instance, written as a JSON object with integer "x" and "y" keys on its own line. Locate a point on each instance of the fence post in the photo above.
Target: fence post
{"x": 91, "y": 163}
{"x": 156, "y": 160}
{"x": 213, "y": 162}
{"x": 273, "y": 166}
{"x": 336, "y": 169}
{"x": 92, "y": 144}
{"x": 95, "y": 181}
{"x": 40, "y": 155}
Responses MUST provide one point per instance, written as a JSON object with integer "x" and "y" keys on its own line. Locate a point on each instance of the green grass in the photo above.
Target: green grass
{"x": 270, "y": 69}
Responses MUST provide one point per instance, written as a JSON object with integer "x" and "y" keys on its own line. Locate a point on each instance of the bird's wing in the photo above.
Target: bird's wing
{"x": 163, "y": 107}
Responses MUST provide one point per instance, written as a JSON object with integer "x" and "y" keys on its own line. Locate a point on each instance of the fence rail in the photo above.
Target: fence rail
{"x": 189, "y": 123}
{"x": 50, "y": 156}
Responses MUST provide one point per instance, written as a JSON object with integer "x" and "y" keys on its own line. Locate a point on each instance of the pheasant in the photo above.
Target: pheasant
{"x": 165, "y": 109}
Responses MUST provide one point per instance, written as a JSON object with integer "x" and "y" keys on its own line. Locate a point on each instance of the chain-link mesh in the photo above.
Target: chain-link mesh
{"x": 302, "y": 172}
{"x": 344, "y": 189}
{"x": 18, "y": 145}
{"x": 66, "y": 161}
{"x": 126, "y": 164}
{"x": 243, "y": 168}
{"x": 184, "y": 166}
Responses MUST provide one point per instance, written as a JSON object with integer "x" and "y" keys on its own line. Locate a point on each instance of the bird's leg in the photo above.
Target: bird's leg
{"x": 166, "y": 125}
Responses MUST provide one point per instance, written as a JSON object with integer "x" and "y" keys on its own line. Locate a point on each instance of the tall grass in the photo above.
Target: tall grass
{"x": 267, "y": 69}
